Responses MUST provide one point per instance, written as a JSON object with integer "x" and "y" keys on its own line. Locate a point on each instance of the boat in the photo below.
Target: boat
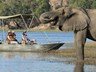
{"x": 29, "y": 48}
{"x": 25, "y": 48}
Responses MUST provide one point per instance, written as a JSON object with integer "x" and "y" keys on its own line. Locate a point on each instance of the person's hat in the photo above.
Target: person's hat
{"x": 9, "y": 31}
{"x": 12, "y": 31}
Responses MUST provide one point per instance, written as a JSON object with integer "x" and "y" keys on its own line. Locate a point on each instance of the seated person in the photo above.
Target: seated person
{"x": 25, "y": 39}
{"x": 33, "y": 41}
{"x": 11, "y": 38}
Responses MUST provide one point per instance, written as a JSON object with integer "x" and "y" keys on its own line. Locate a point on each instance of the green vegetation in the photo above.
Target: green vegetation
{"x": 36, "y": 7}
{"x": 11, "y": 7}
{"x": 83, "y": 3}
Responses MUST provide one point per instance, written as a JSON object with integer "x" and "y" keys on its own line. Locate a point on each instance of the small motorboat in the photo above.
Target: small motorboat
{"x": 29, "y": 48}
{"x": 15, "y": 47}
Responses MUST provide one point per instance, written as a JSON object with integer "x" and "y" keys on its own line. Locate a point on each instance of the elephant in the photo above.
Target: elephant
{"x": 79, "y": 20}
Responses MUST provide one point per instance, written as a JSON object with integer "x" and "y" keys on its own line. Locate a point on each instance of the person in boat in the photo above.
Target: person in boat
{"x": 14, "y": 35}
{"x": 11, "y": 38}
{"x": 33, "y": 41}
{"x": 25, "y": 39}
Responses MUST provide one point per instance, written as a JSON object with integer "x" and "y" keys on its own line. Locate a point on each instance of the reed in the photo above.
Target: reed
{"x": 90, "y": 53}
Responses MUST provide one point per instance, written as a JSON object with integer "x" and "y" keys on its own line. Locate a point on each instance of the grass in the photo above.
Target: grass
{"x": 89, "y": 51}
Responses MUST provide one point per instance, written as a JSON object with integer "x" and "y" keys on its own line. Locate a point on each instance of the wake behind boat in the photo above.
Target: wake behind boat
{"x": 29, "y": 48}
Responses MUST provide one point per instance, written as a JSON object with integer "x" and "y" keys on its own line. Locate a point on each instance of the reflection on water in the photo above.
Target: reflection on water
{"x": 31, "y": 62}
{"x": 79, "y": 67}
{"x": 36, "y": 62}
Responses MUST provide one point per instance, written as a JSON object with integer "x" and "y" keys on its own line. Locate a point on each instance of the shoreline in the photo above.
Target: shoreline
{"x": 31, "y": 30}
{"x": 89, "y": 50}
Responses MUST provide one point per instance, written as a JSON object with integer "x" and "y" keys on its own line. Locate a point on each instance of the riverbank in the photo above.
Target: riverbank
{"x": 31, "y": 30}
{"x": 89, "y": 50}
{"x": 41, "y": 27}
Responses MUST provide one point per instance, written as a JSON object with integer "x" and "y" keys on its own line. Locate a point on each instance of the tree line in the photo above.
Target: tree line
{"x": 36, "y": 7}
{"x": 89, "y": 4}
{"x": 11, "y": 7}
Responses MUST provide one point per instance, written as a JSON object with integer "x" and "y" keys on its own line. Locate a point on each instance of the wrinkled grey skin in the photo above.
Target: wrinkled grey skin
{"x": 82, "y": 22}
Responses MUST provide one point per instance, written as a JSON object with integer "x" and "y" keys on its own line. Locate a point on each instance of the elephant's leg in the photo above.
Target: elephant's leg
{"x": 80, "y": 39}
{"x": 79, "y": 67}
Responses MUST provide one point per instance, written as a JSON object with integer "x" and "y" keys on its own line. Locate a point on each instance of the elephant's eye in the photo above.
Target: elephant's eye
{"x": 47, "y": 17}
{"x": 63, "y": 12}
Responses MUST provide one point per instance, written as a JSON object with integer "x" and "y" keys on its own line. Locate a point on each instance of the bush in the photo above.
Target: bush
{"x": 89, "y": 4}
{"x": 11, "y": 7}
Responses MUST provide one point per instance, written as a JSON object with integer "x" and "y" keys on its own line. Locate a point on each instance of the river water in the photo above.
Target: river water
{"x": 39, "y": 62}
{"x": 44, "y": 37}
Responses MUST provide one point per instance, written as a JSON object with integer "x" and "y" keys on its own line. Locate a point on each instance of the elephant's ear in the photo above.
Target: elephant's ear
{"x": 81, "y": 23}
{"x": 67, "y": 11}
{"x": 76, "y": 20}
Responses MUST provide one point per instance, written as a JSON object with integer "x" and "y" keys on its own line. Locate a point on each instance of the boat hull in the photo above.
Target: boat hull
{"x": 29, "y": 48}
